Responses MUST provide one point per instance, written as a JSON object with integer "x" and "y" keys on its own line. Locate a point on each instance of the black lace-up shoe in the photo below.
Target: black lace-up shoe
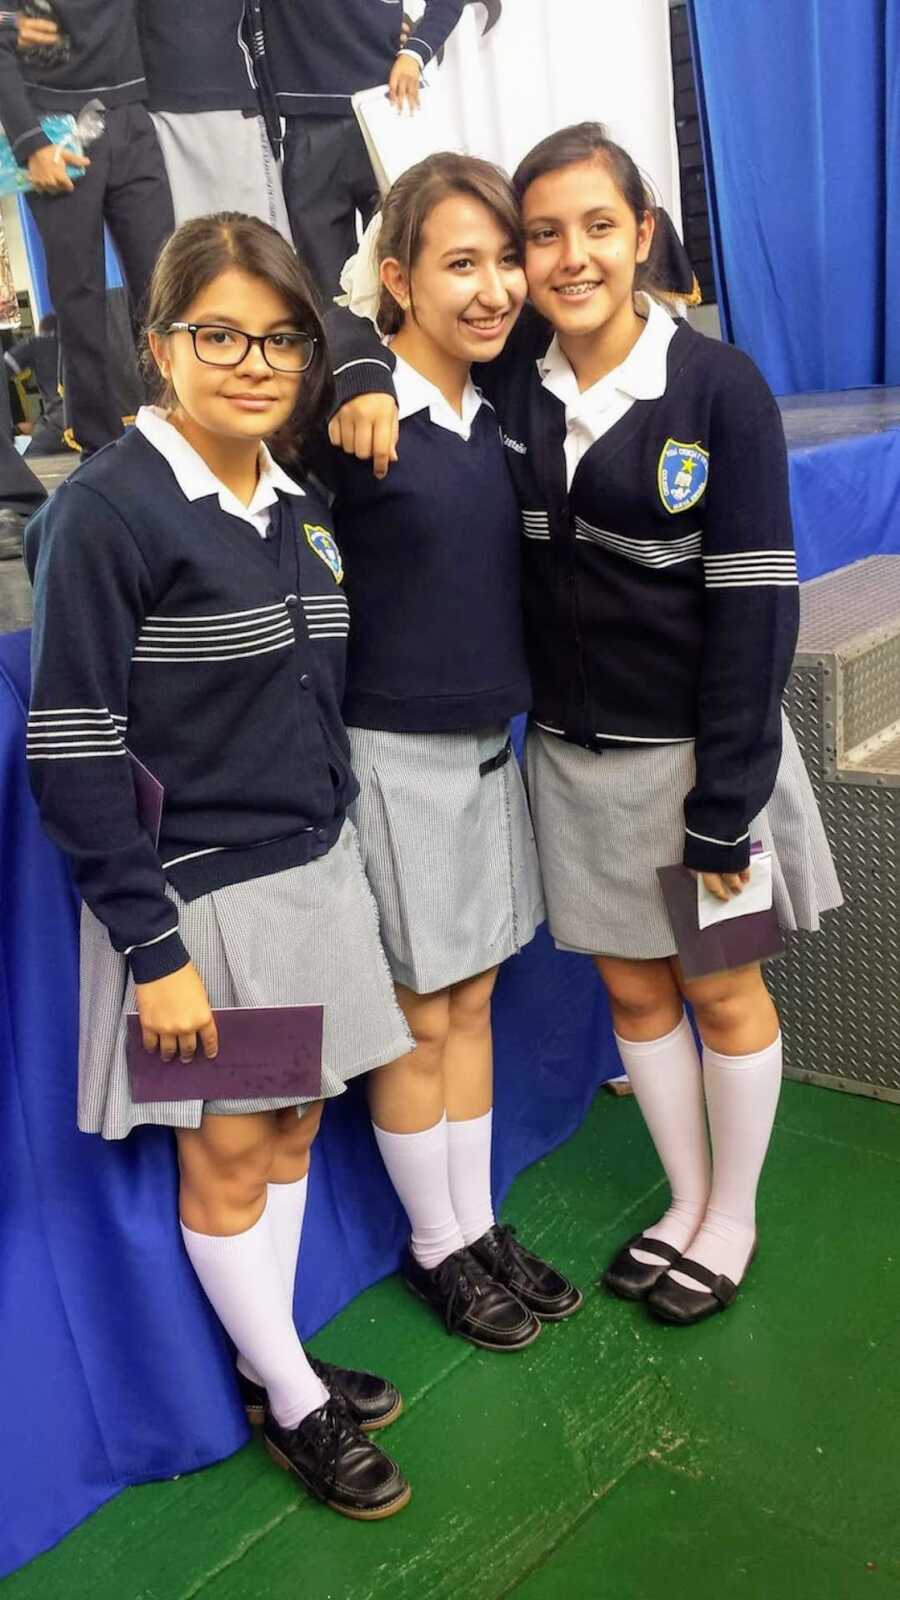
{"x": 533, "y": 1281}
{"x": 337, "y": 1464}
{"x": 371, "y": 1401}
{"x": 471, "y": 1303}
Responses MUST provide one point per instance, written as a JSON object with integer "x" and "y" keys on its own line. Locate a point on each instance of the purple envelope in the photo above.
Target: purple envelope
{"x": 264, "y": 1052}
{"x": 149, "y": 794}
{"x": 735, "y": 943}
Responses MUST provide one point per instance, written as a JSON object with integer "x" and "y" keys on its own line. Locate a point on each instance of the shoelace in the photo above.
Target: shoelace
{"x": 512, "y": 1256}
{"x": 463, "y": 1282}
{"x": 330, "y": 1427}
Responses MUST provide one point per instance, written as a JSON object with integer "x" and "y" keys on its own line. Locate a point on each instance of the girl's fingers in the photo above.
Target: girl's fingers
{"x": 187, "y": 1047}
{"x": 209, "y": 1039}
{"x": 334, "y": 432}
{"x": 150, "y": 1039}
{"x": 168, "y": 1045}
{"x": 363, "y": 441}
{"x": 348, "y": 432}
{"x": 384, "y": 445}
{"x": 734, "y": 882}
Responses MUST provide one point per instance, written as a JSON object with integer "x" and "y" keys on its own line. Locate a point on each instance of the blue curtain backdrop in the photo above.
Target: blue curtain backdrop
{"x": 801, "y": 104}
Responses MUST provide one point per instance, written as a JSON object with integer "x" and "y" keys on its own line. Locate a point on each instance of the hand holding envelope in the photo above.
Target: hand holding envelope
{"x": 715, "y": 935}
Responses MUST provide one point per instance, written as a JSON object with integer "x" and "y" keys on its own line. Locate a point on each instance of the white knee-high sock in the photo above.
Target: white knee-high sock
{"x": 667, "y": 1080}
{"x": 469, "y": 1157}
{"x": 285, "y": 1208}
{"x": 741, "y": 1100}
{"x": 417, "y": 1165}
{"x": 243, "y": 1282}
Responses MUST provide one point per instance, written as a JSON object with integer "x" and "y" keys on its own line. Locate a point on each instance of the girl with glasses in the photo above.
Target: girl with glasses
{"x": 189, "y": 611}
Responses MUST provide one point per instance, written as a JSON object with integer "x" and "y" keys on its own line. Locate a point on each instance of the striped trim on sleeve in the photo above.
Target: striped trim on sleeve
{"x": 749, "y": 568}
{"x": 74, "y": 732}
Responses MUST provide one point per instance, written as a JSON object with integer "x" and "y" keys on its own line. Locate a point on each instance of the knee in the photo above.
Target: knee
{"x": 296, "y": 1134}
{"x": 235, "y": 1174}
{"x": 644, "y": 1011}
{"x": 430, "y": 1027}
{"x": 470, "y": 1007}
{"x": 720, "y": 1009}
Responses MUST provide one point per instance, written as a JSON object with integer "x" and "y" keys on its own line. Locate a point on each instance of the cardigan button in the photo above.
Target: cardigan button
{"x": 291, "y": 600}
{"x": 305, "y": 680}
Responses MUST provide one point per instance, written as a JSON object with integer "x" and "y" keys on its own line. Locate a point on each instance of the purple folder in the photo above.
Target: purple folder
{"x": 735, "y": 943}
{"x": 264, "y": 1052}
{"x": 149, "y": 794}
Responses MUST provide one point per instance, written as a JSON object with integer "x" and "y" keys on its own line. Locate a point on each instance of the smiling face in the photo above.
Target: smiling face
{"x": 246, "y": 402}
{"x": 466, "y": 286}
{"x": 583, "y": 244}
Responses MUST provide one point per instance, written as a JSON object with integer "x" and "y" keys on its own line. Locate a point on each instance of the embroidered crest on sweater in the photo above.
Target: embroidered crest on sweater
{"x": 321, "y": 541}
{"x": 682, "y": 474}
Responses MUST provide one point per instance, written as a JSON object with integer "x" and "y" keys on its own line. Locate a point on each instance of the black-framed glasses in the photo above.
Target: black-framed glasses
{"x": 221, "y": 346}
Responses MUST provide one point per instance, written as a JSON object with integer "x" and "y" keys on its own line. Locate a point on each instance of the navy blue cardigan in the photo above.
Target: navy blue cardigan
{"x": 434, "y": 580}
{"x": 164, "y": 628}
{"x": 320, "y": 55}
{"x": 661, "y": 598}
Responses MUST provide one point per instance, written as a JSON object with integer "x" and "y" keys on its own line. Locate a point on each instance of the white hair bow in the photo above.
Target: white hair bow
{"x": 360, "y": 278}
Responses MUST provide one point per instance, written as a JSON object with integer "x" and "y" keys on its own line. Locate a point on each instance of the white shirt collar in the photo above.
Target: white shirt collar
{"x": 641, "y": 376}
{"x": 196, "y": 480}
{"x": 417, "y": 393}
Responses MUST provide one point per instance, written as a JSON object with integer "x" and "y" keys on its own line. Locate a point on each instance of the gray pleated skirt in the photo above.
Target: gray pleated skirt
{"x": 450, "y": 854}
{"x": 308, "y": 936}
{"x": 605, "y": 823}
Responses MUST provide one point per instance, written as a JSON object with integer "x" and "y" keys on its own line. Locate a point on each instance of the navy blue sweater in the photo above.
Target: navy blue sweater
{"x": 434, "y": 581}
{"x": 323, "y": 51}
{"x": 164, "y": 625}
{"x": 196, "y": 56}
{"x": 661, "y": 598}
{"x": 105, "y": 64}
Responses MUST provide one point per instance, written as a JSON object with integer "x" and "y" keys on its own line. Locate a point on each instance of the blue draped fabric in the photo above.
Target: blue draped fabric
{"x": 801, "y": 107}
{"x": 104, "y": 1331}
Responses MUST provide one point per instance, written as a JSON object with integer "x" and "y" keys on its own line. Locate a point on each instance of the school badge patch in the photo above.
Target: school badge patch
{"x": 320, "y": 540}
{"x": 682, "y": 475}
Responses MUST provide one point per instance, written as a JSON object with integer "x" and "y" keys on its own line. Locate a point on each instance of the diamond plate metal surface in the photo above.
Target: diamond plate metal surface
{"x": 838, "y": 991}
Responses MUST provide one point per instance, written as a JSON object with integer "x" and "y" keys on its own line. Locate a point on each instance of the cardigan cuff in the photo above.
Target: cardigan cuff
{"x": 705, "y": 854}
{"x": 159, "y": 959}
{"x": 366, "y": 375}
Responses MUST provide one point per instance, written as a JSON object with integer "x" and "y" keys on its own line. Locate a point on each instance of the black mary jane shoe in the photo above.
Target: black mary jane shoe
{"x": 471, "y": 1303}
{"x": 631, "y": 1279}
{"x": 371, "y": 1401}
{"x": 338, "y": 1464}
{"x": 672, "y": 1302}
{"x": 535, "y": 1282}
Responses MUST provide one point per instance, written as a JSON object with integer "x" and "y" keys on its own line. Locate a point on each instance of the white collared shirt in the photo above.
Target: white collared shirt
{"x": 416, "y": 393}
{"x": 641, "y": 376}
{"x": 195, "y": 479}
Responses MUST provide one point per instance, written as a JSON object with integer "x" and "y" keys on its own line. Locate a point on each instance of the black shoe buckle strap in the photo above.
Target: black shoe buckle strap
{"x": 494, "y": 763}
{"x": 655, "y": 1247}
{"x": 718, "y": 1285}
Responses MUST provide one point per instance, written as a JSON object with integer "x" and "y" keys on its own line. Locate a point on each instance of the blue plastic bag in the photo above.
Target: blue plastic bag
{"x": 62, "y": 130}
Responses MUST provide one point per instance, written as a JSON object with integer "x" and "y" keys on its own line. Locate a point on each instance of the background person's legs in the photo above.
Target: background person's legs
{"x": 71, "y": 229}
{"x": 327, "y": 178}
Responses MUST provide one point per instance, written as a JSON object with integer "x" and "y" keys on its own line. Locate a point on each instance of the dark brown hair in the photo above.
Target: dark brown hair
{"x": 411, "y": 200}
{"x": 195, "y": 255}
{"x": 589, "y": 141}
